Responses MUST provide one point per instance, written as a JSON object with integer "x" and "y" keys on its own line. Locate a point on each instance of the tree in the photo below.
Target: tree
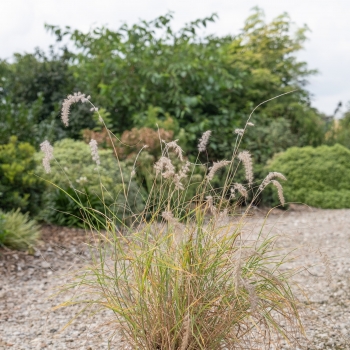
{"x": 147, "y": 73}
{"x": 32, "y": 89}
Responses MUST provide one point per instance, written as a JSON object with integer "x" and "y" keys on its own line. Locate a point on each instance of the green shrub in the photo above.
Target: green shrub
{"x": 19, "y": 188}
{"x": 76, "y": 174}
{"x": 17, "y": 231}
{"x": 319, "y": 177}
{"x": 339, "y": 131}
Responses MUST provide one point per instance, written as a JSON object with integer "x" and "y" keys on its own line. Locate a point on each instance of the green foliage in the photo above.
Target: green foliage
{"x": 339, "y": 131}
{"x": 75, "y": 169}
{"x": 147, "y": 73}
{"x": 17, "y": 231}
{"x": 31, "y": 90}
{"x": 72, "y": 208}
{"x": 19, "y": 188}
{"x": 319, "y": 177}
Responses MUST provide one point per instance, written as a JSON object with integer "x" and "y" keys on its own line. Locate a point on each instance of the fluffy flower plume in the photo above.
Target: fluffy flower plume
{"x": 246, "y": 159}
{"x": 181, "y": 175}
{"x": 82, "y": 180}
{"x": 253, "y": 298}
{"x": 240, "y": 188}
{"x": 177, "y": 149}
{"x": 269, "y": 177}
{"x": 187, "y": 332}
{"x": 239, "y": 132}
{"x": 94, "y": 151}
{"x": 164, "y": 163}
{"x": 47, "y": 149}
{"x": 203, "y": 141}
{"x": 216, "y": 166}
{"x": 211, "y": 204}
{"x": 169, "y": 217}
{"x": 76, "y": 97}
{"x": 250, "y": 124}
{"x": 279, "y": 191}
{"x": 223, "y": 215}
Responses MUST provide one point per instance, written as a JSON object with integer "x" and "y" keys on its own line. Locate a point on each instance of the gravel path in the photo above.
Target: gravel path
{"x": 28, "y": 283}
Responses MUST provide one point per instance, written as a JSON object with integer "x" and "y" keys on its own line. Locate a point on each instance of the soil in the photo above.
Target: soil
{"x": 29, "y": 281}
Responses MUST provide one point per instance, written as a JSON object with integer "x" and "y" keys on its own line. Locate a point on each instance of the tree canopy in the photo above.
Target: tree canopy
{"x": 147, "y": 73}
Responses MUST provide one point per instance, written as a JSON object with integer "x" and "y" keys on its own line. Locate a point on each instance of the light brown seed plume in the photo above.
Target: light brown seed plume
{"x": 216, "y": 166}
{"x": 239, "y": 132}
{"x": 187, "y": 332}
{"x": 246, "y": 159}
{"x": 269, "y": 177}
{"x": 164, "y": 163}
{"x": 76, "y": 97}
{"x": 181, "y": 175}
{"x": 94, "y": 151}
{"x": 241, "y": 189}
{"x": 203, "y": 141}
{"x": 47, "y": 149}
{"x": 211, "y": 206}
{"x": 177, "y": 149}
{"x": 279, "y": 191}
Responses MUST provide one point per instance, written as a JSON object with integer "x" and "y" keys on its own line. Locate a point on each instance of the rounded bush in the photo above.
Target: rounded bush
{"x": 19, "y": 188}
{"x": 100, "y": 188}
{"x": 319, "y": 177}
{"x": 17, "y": 230}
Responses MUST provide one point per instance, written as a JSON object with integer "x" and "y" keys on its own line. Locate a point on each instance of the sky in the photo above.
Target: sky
{"x": 327, "y": 50}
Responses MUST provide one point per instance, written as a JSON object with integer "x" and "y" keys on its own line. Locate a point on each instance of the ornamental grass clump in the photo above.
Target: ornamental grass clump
{"x": 18, "y": 231}
{"x": 190, "y": 274}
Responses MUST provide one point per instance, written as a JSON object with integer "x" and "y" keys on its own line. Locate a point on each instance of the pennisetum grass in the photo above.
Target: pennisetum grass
{"x": 184, "y": 273}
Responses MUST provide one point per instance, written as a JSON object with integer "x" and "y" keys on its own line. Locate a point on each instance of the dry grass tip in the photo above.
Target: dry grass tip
{"x": 177, "y": 149}
{"x": 216, "y": 166}
{"x": 76, "y": 97}
{"x": 279, "y": 191}
{"x": 203, "y": 141}
{"x": 269, "y": 177}
{"x": 246, "y": 158}
{"x": 94, "y": 151}
{"x": 164, "y": 163}
{"x": 47, "y": 149}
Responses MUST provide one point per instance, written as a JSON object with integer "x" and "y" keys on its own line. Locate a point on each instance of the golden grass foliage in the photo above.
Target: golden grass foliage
{"x": 189, "y": 274}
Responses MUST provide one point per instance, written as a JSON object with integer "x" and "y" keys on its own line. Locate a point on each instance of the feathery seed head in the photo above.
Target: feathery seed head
{"x": 239, "y": 132}
{"x": 164, "y": 163}
{"x": 216, "y": 166}
{"x": 169, "y": 217}
{"x": 279, "y": 191}
{"x": 187, "y": 332}
{"x": 269, "y": 177}
{"x": 250, "y": 124}
{"x": 246, "y": 158}
{"x": 203, "y": 141}
{"x": 47, "y": 149}
{"x": 181, "y": 175}
{"x": 82, "y": 180}
{"x": 94, "y": 151}
{"x": 177, "y": 149}
{"x": 76, "y": 97}
{"x": 241, "y": 189}
{"x": 211, "y": 206}
{"x": 253, "y": 298}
